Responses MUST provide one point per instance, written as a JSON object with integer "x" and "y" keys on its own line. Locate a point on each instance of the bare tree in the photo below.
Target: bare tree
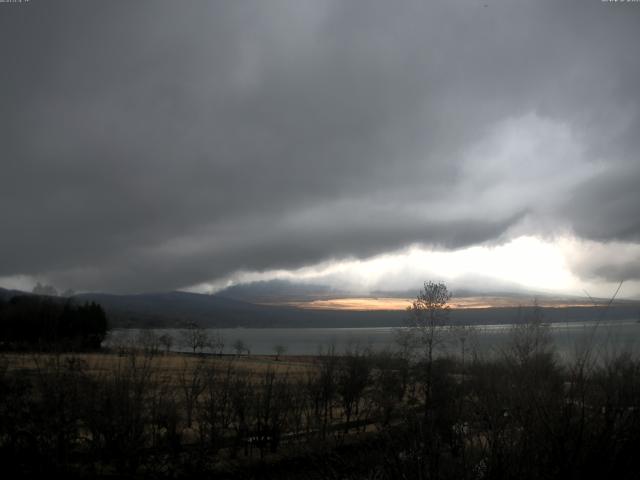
{"x": 240, "y": 347}
{"x": 148, "y": 341}
{"x": 195, "y": 337}
{"x": 166, "y": 341}
{"x": 428, "y": 314}
{"x": 216, "y": 410}
{"x": 191, "y": 379}
{"x": 352, "y": 379}
{"x": 279, "y": 350}
{"x": 322, "y": 387}
{"x": 406, "y": 341}
{"x": 217, "y": 343}
{"x": 531, "y": 337}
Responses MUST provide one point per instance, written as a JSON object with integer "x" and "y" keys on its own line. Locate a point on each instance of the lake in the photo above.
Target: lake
{"x": 606, "y": 338}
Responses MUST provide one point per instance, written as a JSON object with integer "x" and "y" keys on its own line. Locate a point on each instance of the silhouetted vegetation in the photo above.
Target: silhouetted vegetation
{"x": 516, "y": 414}
{"x": 35, "y": 322}
{"x": 412, "y": 413}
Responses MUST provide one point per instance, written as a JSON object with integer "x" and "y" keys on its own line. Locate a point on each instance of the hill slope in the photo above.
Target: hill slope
{"x": 174, "y": 309}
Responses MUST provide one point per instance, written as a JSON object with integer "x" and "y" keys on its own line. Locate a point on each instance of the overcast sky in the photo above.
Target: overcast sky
{"x": 157, "y": 145}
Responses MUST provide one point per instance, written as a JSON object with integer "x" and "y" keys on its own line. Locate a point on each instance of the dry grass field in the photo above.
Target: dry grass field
{"x": 143, "y": 413}
{"x": 170, "y": 365}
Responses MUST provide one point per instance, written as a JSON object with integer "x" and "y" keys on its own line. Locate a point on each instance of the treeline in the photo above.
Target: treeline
{"x": 37, "y": 322}
{"x": 519, "y": 413}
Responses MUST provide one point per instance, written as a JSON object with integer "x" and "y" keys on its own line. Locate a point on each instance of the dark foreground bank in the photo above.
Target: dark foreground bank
{"x": 363, "y": 415}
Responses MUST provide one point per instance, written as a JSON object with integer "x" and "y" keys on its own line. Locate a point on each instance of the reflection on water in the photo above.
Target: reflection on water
{"x": 606, "y": 338}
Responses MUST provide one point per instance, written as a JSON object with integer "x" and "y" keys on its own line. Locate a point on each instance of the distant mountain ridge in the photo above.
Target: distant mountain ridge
{"x": 280, "y": 291}
{"x": 246, "y": 306}
{"x": 284, "y": 292}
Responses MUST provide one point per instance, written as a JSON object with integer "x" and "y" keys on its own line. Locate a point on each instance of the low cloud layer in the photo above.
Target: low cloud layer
{"x": 155, "y": 145}
{"x": 611, "y": 261}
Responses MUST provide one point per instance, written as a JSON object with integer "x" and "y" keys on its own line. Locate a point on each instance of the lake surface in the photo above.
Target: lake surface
{"x": 606, "y": 338}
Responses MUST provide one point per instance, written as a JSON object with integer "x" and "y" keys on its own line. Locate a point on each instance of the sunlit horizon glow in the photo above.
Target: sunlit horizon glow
{"x": 474, "y": 302}
{"x": 524, "y": 264}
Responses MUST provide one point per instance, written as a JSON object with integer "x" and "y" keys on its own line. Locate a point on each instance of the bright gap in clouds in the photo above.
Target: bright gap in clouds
{"x": 524, "y": 264}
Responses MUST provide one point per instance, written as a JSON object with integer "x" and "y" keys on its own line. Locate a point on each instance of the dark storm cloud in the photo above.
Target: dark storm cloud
{"x": 629, "y": 270}
{"x": 613, "y": 262}
{"x": 153, "y": 145}
{"x": 608, "y": 206}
